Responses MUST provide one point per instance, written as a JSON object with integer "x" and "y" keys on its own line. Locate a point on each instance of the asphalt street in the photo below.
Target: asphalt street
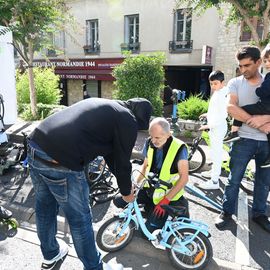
{"x": 243, "y": 245}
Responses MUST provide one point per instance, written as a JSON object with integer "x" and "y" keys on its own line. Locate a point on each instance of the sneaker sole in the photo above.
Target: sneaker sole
{"x": 265, "y": 166}
{"x": 57, "y": 265}
{"x": 208, "y": 177}
{"x": 204, "y": 188}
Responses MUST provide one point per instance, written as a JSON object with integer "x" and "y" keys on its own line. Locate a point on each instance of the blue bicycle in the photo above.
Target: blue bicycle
{"x": 185, "y": 240}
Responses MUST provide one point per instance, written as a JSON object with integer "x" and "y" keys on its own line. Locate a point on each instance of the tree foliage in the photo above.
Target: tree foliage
{"x": 31, "y": 23}
{"x": 192, "y": 108}
{"x": 141, "y": 76}
{"x": 248, "y": 11}
{"x": 47, "y": 90}
{"x": 47, "y": 87}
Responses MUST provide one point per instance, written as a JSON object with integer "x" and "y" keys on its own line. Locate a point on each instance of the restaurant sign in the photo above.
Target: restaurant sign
{"x": 82, "y": 69}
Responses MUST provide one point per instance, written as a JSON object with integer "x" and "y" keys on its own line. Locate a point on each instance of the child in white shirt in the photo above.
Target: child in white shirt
{"x": 217, "y": 125}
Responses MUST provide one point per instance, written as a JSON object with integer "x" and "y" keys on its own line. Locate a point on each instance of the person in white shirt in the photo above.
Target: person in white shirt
{"x": 217, "y": 125}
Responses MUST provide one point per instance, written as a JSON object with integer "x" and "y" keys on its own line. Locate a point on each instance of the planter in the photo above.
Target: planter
{"x": 188, "y": 128}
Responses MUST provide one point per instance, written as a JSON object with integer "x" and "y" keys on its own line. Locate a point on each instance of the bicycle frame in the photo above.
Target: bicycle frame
{"x": 225, "y": 164}
{"x": 197, "y": 192}
{"x": 133, "y": 213}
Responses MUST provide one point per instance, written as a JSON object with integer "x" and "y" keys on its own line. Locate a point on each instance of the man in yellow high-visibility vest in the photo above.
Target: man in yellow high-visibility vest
{"x": 166, "y": 156}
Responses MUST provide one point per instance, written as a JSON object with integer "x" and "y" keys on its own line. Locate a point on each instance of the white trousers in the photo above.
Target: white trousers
{"x": 216, "y": 150}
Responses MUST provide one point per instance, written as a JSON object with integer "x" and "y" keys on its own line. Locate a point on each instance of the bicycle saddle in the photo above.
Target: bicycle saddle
{"x": 174, "y": 210}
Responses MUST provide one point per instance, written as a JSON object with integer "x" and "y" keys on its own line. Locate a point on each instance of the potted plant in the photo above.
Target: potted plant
{"x": 189, "y": 112}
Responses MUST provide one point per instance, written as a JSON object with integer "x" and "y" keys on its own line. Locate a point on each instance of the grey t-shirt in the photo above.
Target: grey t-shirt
{"x": 246, "y": 95}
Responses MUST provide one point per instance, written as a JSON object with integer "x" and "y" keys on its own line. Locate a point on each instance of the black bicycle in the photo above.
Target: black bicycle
{"x": 100, "y": 181}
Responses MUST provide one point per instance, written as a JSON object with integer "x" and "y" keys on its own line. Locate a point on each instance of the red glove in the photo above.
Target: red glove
{"x": 159, "y": 211}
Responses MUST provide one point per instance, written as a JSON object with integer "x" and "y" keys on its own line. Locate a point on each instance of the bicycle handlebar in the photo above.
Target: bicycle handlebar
{"x": 153, "y": 179}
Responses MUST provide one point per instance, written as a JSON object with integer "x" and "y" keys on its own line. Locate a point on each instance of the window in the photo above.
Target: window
{"x": 92, "y": 39}
{"x": 246, "y": 33}
{"x": 182, "y": 31}
{"x": 57, "y": 43}
{"x": 182, "y": 25}
{"x": 92, "y": 88}
{"x": 132, "y": 33}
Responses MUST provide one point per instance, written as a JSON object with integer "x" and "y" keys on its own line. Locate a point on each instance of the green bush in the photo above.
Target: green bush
{"x": 192, "y": 108}
{"x": 141, "y": 76}
{"x": 43, "y": 111}
{"x": 46, "y": 85}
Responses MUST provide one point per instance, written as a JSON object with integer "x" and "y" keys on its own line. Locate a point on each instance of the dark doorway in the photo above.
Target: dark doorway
{"x": 63, "y": 88}
{"x": 193, "y": 80}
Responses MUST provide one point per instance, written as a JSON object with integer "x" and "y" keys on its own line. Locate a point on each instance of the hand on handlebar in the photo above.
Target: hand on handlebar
{"x": 159, "y": 211}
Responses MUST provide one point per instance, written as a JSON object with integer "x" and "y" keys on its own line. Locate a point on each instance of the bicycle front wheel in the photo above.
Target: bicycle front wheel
{"x": 108, "y": 238}
{"x": 196, "y": 158}
{"x": 200, "y": 250}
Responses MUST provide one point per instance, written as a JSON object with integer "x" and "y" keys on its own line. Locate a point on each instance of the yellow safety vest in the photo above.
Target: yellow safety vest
{"x": 165, "y": 173}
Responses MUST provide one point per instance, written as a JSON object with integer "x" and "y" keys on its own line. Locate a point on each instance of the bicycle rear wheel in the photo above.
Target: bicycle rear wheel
{"x": 102, "y": 191}
{"x": 95, "y": 169}
{"x": 196, "y": 158}
{"x": 200, "y": 250}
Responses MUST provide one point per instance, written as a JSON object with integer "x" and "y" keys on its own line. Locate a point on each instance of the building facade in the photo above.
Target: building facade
{"x": 104, "y": 29}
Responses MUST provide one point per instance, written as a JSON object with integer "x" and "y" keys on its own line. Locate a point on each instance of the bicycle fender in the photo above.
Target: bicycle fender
{"x": 199, "y": 227}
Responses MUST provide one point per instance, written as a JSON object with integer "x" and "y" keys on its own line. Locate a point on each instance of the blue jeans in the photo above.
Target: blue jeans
{"x": 241, "y": 153}
{"x": 59, "y": 186}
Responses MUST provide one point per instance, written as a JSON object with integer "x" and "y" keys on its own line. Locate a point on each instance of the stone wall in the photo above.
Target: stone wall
{"x": 106, "y": 89}
{"x": 75, "y": 92}
{"x": 228, "y": 44}
{"x": 188, "y": 128}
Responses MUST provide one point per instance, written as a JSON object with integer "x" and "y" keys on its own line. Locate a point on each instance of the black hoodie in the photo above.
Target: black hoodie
{"x": 95, "y": 127}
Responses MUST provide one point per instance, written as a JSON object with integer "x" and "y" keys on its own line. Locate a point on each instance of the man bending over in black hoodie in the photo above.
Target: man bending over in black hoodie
{"x": 59, "y": 148}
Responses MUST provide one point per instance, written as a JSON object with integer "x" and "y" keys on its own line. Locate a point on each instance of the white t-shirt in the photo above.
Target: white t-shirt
{"x": 217, "y": 109}
{"x": 246, "y": 95}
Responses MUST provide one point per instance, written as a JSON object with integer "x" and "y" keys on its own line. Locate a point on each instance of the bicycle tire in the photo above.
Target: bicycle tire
{"x": 107, "y": 238}
{"x": 200, "y": 248}
{"x": 102, "y": 194}
{"x": 94, "y": 170}
{"x": 196, "y": 159}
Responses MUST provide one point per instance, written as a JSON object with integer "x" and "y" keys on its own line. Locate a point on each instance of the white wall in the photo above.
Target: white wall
{"x": 7, "y": 78}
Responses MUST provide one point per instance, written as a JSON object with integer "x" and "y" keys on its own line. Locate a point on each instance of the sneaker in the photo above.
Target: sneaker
{"x": 263, "y": 222}
{"x": 223, "y": 220}
{"x": 57, "y": 261}
{"x": 206, "y": 174}
{"x": 111, "y": 266}
{"x": 4, "y": 213}
{"x": 209, "y": 185}
{"x": 231, "y": 137}
{"x": 266, "y": 164}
